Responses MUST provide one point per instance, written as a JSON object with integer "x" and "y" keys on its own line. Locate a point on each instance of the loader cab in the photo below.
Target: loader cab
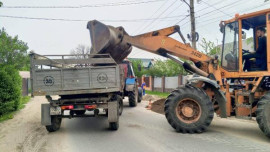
{"x": 240, "y": 38}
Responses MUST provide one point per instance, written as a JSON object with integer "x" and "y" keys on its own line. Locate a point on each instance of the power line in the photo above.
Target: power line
{"x": 205, "y": 8}
{"x": 216, "y": 8}
{"x": 220, "y": 8}
{"x": 174, "y": 11}
{"x": 158, "y": 16}
{"x": 151, "y": 16}
{"x": 181, "y": 20}
{"x": 79, "y": 20}
{"x": 86, "y": 6}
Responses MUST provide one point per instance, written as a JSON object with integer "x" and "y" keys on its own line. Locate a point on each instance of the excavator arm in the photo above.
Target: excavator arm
{"x": 110, "y": 39}
{"x": 159, "y": 41}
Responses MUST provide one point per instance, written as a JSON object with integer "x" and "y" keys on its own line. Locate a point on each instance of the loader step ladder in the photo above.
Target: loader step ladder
{"x": 240, "y": 105}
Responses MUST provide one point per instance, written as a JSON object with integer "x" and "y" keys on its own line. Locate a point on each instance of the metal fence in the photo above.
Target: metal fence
{"x": 163, "y": 84}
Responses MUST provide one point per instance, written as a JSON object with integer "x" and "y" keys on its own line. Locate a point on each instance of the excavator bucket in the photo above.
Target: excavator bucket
{"x": 108, "y": 40}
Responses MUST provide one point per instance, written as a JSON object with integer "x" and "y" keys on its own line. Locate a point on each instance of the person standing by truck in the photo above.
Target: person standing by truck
{"x": 143, "y": 87}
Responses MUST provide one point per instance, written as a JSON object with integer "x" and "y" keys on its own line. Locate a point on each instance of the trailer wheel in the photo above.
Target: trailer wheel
{"x": 79, "y": 112}
{"x": 114, "y": 125}
{"x": 120, "y": 103}
{"x": 189, "y": 110}
{"x": 56, "y": 123}
{"x": 133, "y": 98}
{"x": 263, "y": 114}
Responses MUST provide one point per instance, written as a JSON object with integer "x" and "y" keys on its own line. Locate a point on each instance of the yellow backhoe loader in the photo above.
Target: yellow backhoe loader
{"x": 225, "y": 87}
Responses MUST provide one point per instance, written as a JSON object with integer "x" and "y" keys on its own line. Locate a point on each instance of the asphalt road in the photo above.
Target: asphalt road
{"x": 140, "y": 130}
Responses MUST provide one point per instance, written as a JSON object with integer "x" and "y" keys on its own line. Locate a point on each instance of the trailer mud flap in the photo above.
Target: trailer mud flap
{"x": 45, "y": 114}
{"x": 113, "y": 111}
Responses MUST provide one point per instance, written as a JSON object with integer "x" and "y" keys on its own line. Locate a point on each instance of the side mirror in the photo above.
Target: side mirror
{"x": 221, "y": 26}
{"x": 244, "y": 35}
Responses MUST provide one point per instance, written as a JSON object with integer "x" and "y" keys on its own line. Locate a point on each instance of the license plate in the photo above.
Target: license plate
{"x": 55, "y": 110}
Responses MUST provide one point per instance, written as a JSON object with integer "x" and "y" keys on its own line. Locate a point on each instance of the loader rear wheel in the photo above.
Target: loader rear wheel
{"x": 55, "y": 124}
{"x": 263, "y": 114}
{"x": 189, "y": 110}
{"x": 133, "y": 98}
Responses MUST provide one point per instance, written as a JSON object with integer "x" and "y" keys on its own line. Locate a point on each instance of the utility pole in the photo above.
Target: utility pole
{"x": 192, "y": 21}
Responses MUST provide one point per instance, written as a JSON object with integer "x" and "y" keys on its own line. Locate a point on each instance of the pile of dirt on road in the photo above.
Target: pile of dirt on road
{"x": 148, "y": 97}
{"x": 158, "y": 106}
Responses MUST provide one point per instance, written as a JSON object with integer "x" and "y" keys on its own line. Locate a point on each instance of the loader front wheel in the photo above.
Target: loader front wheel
{"x": 55, "y": 124}
{"x": 263, "y": 114}
{"x": 189, "y": 110}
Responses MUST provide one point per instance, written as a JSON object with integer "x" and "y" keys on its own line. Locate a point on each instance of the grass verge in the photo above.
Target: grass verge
{"x": 10, "y": 115}
{"x": 160, "y": 94}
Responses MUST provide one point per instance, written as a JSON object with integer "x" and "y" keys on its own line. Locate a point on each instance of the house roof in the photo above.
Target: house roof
{"x": 146, "y": 62}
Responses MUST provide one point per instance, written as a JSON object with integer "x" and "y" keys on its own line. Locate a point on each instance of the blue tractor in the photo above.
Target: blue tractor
{"x": 132, "y": 90}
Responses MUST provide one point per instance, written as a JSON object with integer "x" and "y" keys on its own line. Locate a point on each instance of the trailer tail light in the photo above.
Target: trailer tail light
{"x": 90, "y": 106}
{"x": 68, "y": 107}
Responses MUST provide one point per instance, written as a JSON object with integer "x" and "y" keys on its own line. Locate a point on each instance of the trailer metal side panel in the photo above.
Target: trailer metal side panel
{"x": 74, "y": 76}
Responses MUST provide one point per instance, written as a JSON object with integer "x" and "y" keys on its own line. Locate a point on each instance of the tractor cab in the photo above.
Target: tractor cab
{"x": 245, "y": 42}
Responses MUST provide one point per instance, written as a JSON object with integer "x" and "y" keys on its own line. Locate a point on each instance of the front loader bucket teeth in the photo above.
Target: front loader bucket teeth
{"x": 108, "y": 40}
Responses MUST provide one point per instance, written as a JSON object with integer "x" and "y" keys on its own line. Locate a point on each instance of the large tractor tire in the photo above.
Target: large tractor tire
{"x": 263, "y": 114}
{"x": 133, "y": 98}
{"x": 55, "y": 124}
{"x": 189, "y": 110}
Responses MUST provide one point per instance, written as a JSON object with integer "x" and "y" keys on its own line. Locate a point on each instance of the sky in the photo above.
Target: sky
{"x": 136, "y": 16}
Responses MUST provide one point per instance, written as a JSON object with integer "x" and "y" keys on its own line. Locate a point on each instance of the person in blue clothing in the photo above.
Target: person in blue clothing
{"x": 260, "y": 53}
{"x": 143, "y": 87}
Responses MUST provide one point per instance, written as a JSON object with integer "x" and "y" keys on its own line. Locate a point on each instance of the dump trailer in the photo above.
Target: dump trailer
{"x": 237, "y": 84}
{"x": 83, "y": 85}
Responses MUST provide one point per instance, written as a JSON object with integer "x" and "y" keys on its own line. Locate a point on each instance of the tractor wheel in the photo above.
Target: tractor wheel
{"x": 139, "y": 94}
{"x": 263, "y": 114}
{"x": 189, "y": 110}
{"x": 55, "y": 124}
{"x": 79, "y": 112}
{"x": 133, "y": 98}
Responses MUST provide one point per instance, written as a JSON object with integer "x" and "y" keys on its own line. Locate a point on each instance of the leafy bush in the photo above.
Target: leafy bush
{"x": 13, "y": 51}
{"x": 10, "y": 89}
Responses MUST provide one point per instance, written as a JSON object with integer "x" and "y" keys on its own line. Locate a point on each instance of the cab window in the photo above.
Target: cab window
{"x": 230, "y": 47}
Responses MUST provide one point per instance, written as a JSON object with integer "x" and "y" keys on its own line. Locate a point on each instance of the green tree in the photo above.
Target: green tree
{"x": 166, "y": 68}
{"x": 207, "y": 46}
{"x": 138, "y": 67}
{"x": 13, "y": 51}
